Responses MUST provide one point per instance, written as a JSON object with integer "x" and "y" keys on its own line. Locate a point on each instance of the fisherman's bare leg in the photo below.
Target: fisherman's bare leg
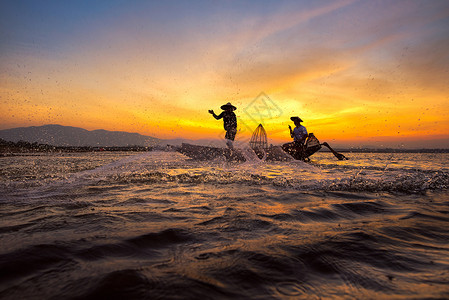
{"x": 230, "y": 135}
{"x": 230, "y": 144}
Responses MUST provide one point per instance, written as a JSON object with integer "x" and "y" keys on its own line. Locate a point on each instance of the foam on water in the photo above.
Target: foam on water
{"x": 378, "y": 172}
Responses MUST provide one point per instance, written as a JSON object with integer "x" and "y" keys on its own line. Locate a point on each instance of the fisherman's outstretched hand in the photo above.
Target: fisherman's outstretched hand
{"x": 211, "y": 111}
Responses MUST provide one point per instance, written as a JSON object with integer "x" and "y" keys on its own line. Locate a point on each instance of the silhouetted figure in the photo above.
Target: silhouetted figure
{"x": 229, "y": 122}
{"x": 299, "y": 135}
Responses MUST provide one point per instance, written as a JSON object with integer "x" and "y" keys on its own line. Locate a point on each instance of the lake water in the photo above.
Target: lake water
{"x": 157, "y": 225}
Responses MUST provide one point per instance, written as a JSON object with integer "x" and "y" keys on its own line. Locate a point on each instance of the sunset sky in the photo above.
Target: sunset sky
{"x": 357, "y": 72}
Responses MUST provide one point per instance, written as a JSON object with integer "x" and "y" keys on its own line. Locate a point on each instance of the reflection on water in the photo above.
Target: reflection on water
{"x": 158, "y": 225}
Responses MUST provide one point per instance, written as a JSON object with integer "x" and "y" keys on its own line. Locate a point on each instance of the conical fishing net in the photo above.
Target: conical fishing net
{"x": 259, "y": 138}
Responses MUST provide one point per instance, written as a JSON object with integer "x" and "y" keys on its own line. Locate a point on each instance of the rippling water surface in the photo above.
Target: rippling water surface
{"x": 158, "y": 225}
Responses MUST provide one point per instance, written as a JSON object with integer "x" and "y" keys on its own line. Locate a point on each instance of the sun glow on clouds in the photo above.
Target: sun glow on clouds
{"x": 353, "y": 70}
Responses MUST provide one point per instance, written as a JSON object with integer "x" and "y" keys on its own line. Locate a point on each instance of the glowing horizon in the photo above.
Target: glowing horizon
{"x": 357, "y": 72}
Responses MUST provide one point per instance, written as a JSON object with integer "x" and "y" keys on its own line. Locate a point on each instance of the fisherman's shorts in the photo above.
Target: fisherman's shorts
{"x": 230, "y": 134}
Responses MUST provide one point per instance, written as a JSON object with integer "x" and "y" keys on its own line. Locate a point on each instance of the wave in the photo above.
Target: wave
{"x": 136, "y": 236}
{"x": 159, "y": 168}
{"x": 407, "y": 182}
{"x": 415, "y": 182}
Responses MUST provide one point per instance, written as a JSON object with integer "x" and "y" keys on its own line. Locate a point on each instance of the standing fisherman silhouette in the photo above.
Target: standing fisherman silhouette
{"x": 229, "y": 122}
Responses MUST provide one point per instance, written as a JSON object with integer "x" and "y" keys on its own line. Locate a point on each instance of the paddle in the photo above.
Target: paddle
{"x": 339, "y": 156}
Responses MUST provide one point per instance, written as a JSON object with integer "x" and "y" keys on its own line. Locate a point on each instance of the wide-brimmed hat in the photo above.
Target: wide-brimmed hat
{"x": 228, "y": 105}
{"x": 296, "y": 119}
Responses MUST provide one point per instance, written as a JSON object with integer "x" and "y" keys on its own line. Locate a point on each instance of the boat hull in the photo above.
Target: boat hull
{"x": 235, "y": 155}
{"x": 210, "y": 153}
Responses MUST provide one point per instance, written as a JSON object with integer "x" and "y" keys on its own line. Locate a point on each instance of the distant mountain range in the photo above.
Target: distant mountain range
{"x": 58, "y": 135}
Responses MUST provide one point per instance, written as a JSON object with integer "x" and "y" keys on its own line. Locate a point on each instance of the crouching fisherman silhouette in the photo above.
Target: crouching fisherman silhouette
{"x": 299, "y": 135}
{"x": 305, "y": 144}
{"x": 229, "y": 122}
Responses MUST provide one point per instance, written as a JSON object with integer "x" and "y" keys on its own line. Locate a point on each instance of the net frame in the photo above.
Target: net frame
{"x": 259, "y": 138}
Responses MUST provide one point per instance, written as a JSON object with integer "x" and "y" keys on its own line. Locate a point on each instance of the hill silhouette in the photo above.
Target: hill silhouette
{"x": 58, "y": 135}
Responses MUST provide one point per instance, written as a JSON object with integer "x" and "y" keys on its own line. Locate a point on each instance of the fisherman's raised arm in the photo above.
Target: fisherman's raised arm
{"x": 215, "y": 116}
